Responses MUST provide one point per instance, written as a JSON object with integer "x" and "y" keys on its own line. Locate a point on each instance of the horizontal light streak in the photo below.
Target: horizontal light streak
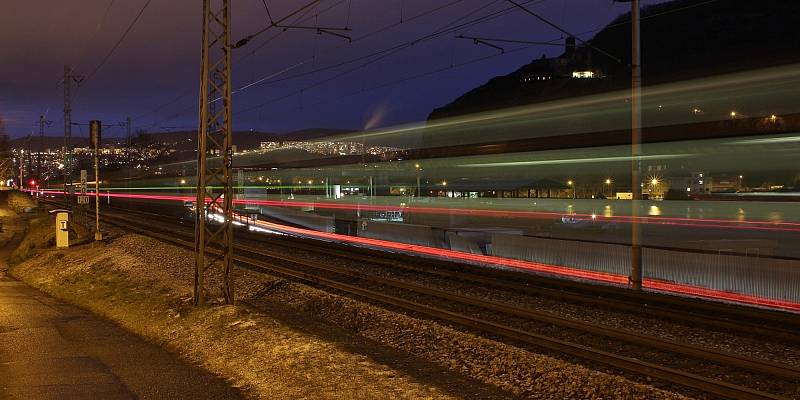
{"x": 576, "y": 161}
{"x": 652, "y": 284}
{"x": 590, "y": 218}
{"x": 557, "y": 270}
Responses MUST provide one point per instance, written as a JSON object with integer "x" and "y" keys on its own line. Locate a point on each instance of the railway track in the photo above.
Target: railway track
{"x": 722, "y": 317}
{"x": 693, "y": 312}
{"x": 373, "y": 288}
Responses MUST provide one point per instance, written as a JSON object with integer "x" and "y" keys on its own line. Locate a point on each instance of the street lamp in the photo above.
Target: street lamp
{"x": 608, "y": 183}
{"x": 571, "y": 184}
{"x": 416, "y": 166}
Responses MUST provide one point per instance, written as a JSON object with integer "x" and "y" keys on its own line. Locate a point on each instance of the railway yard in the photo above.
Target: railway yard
{"x": 509, "y": 329}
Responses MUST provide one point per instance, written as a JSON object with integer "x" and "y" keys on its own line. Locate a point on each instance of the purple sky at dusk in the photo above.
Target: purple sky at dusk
{"x": 158, "y": 61}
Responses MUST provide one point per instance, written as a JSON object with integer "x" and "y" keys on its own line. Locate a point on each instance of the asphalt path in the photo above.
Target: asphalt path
{"x": 53, "y": 350}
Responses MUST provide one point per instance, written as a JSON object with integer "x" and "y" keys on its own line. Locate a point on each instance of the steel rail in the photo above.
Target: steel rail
{"x": 632, "y": 365}
{"x": 649, "y": 304}
{"x": 720, "y": 316}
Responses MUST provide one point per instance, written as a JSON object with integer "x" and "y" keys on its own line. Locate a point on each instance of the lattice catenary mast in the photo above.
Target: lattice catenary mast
{"x": 214, "y": 240}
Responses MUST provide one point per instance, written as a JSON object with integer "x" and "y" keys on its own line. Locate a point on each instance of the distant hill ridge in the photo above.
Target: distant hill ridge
{"x": 681, "y": 39}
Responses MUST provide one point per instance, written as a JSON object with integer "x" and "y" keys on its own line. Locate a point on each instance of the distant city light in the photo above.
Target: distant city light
{"x": 733, "y": 114}
{"x": 183, "y": 181}
{"x": 654, "y": 181}
{"x": 608, "y": 181}
{"x": 569, "y": 182}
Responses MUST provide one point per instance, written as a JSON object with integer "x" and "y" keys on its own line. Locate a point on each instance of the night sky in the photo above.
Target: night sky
{"x": 153, "y": 75}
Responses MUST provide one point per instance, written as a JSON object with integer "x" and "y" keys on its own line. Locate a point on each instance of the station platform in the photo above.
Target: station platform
{"x": 52, "y": 350}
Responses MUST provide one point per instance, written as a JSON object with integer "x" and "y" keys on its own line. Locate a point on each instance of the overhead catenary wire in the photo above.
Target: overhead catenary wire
{"x": 405, "y": 79}
{"x": 449, "y": 28}
{"x": 562, "y": 30}
{"x": 299, "y": 18}
{"x": 119, "y": 42}
{"x": 97, "y": 29}
{"x": 551, "y": 42}
{"x": 267, "y": 81}
{"x": 370, "y": 58}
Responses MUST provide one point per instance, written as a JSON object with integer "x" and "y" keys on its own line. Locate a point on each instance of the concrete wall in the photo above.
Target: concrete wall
{"x": 399, "y": 232}
{"x": 306, "y": 220}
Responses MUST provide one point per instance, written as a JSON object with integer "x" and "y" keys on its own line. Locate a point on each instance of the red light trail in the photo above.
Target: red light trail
{"x": 571, "y": 272}
{"x": 674, "y": 221}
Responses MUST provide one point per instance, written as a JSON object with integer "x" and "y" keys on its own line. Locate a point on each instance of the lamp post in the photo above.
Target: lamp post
{"x": 418, "y": 185}
{"x": 571, "y": 184}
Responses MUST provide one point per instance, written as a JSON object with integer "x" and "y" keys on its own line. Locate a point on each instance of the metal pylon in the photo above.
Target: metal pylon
{"x": 213, "y": 238}
{"x": 67, "y": 152}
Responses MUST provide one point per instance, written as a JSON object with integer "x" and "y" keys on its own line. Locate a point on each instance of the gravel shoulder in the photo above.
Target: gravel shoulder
{"x": 269, "y": 352}
{"x": 288, "y": 340}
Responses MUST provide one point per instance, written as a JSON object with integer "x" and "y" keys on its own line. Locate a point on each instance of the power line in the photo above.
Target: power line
{"x": 116, "y": 45}
{"x": 94, "y": 34}
{"x": 401, "y": 46}
{"x": 273, "y": 24}
{"x": 406, "y": 79}
{"x": 299, "y": 18}
{"x": 372, "y": 57}
{"x": 381, "y": 54}
{"x": 562, "y": 30}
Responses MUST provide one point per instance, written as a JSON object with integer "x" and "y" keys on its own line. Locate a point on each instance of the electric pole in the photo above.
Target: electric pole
{"x": 94, "y": 139}
{"x": 214, "y": 241}
{"x": 39, "y": 169}
{"x": 68, "y": 80}
{"x": 128, "y": 145}
{"x": 636, "y": 149}
{"x": 41, "y": 146}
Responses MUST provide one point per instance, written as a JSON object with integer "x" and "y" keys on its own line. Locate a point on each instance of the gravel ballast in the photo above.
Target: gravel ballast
{"x": 288, "y": 340}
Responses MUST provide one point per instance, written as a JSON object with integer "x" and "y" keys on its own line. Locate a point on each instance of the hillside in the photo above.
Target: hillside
{"x": 680, "y": 39}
